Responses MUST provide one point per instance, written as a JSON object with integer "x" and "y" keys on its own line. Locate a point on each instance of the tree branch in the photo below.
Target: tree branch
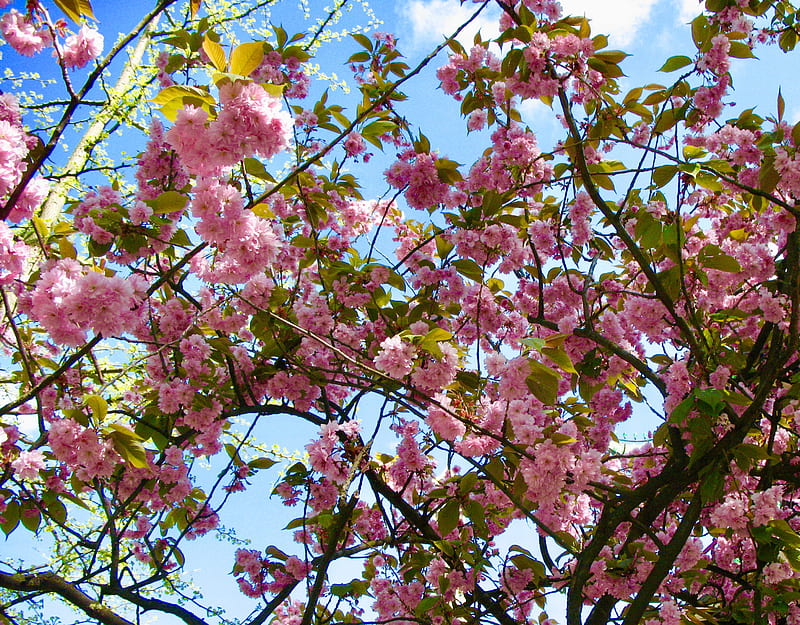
{"x": 52, "y": 583}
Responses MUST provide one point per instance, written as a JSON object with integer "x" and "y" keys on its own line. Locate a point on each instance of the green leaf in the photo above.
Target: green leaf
{"x": 543, "y": 382}
{"x": 426, "y": 605}
{"x": 276, "y": 91}
{"x": 740, "y": 50}
{"x": 443, "y": 246}
{"x": 560, "y": 357}
{"x": 469, "y": 269}
{"x": 57, "y": 511}
{"x": 666, "y": 120}
{"x": 768, "y": 176}
{"x": 31, "y": 518}
{"x": 11, "y": 517}
{"x": 128, "y": 444}
{"x": 98, "y": 406}
{"x": 181, "y": 91}
{"x": 261, "y": 463}
{"x": 662, "y": 175}
{"x": 168, "y": 202}
{"x": 712, "y": 257}
{"x": 675, "y": 62}
{"x": 378, "y": 128}
{"x": 215, "y": 53}
{"x": 363, "y": 40}
{"x": 430, "y": 342}
{"x": 247, "y": 57}
{"x": 788, "y": 40}
{"x": 701, "y": 32}
{"x": 713, "y": 486}
{"x": 612, "y": 56}
{"x": 559, "y": 438}
{"x": 174, "y": 98}
{"x": 448, "y": 516}
{"x": 75, "y": 9}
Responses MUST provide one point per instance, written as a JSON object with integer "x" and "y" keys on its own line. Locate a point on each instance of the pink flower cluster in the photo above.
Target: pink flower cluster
{"x": 396, "y": 357}
{"x": 251, "y": 122}
{"x": 81, "y": 48}
{"x": 68, "y": 300}
{"x": 417, "y": 174}
{"x": 515, "y": 159}
{"x": 15, "y": 144}
{"x": 26, "y": 466}
{"x": 254, "y": 571}
{"x": 12, "y": 256}
{"x": 82, "y": 449}
{"x": 324, "y": 455}
{"x": 22, "y": 35}
{"x": 246, "y": 243}
{"x": 93, "y": 208}
{"x": 279, "y": 71}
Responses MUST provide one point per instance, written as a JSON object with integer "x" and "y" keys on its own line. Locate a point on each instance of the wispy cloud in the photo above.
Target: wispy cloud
{"x": 621, "y": 20}
{"x": 433, "y": 20}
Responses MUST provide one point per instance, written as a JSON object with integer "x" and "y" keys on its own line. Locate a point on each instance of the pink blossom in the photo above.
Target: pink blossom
{"x": 29, "y": 200}
{"x": 354, "y": 144}
{"x": 28, "y": 463}
{"x": 251, "y": 123}
{"x": 21, "y": 34}
{"x": 396, "y": 357}
{"x": 12, "y": 256}
{"x": 68, "y": 301}
{"x": 477, "y": 120}
{"x": 81, "y": 48}
{"x": 419, "y": 176}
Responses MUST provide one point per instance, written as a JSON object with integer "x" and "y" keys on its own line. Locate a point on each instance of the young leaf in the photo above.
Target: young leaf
{"x": 247, "y": 57}
{"x": 75, "y": 9}
{"x": 215, "y": 53}
{"x": 447, "y": 517}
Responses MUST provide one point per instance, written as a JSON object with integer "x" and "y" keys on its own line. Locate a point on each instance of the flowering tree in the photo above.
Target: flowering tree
{"x": 463, "y": 347}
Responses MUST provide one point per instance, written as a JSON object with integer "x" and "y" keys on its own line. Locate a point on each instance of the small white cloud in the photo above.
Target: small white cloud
{"x": 689, "y": 9}
{"x": 434, "y": 20}
{"x": 619, "y": 19}
{"x": 533, "y": 111}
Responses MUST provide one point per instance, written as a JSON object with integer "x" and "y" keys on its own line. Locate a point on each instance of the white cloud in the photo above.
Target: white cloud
{"x": 619, "y": 19}
{"x": 689, "y": 9}
{"x": 434, "y": 20}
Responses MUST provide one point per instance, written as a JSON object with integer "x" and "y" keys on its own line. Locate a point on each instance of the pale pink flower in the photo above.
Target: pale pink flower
{"x": 28, "y": 463}
{"x": 81, "y": 48}
{"x": 477, "y": 120}
{"x": 12, "y": 256}
{"x": 22, "y": 35}
{"x": 354, "y": 144}
{"x": 396, "y": 357}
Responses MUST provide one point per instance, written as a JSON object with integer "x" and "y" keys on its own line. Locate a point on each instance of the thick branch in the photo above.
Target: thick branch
{"x": 156, "y": 604}
{"x": 52, "y": 583}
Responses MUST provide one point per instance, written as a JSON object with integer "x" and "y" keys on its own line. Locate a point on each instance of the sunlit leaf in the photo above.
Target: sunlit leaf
{"x": 215, "y": 53}
{"x": 247, "y": 57}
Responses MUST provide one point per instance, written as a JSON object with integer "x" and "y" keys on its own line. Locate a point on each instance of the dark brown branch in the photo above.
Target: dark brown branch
{"x": 155, "y": 604}
{"x": 52, "y": 583}
{"x": 666, "y": 558}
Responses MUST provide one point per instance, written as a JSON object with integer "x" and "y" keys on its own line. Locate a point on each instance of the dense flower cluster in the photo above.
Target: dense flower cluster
{"x": 251, "y": 121}
{"x": 15, "y": 144}
{"x": 68, "y": 301}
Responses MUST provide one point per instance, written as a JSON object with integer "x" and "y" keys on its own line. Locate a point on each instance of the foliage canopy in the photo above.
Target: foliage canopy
{"x": 460, "y": 350}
